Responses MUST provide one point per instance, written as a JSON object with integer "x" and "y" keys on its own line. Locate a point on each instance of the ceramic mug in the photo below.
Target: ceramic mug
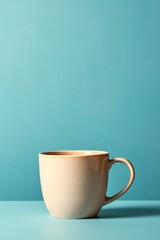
{"x": 74, "y": 182}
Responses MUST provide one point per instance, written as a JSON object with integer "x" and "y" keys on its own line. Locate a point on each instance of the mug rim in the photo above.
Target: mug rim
{"x": 73, "y": 153}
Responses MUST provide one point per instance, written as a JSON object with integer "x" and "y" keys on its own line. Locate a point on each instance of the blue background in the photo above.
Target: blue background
{"x": 79, "y": 75}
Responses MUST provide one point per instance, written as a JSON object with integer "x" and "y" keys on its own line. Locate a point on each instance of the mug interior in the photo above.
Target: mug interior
{"x": 74, "y": 153}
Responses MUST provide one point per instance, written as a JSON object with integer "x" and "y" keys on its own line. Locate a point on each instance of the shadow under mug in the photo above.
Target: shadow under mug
{"x": 74, "y": 182}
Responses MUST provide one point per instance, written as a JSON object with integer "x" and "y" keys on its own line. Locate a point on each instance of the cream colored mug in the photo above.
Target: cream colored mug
{"x": 74, "y": 182}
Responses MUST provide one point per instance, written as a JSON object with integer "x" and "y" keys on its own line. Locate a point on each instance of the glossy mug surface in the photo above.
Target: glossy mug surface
{"x": 74, "y": 182}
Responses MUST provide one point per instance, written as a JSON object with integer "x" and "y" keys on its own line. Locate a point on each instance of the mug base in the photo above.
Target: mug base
{"x": 70, "y": 217}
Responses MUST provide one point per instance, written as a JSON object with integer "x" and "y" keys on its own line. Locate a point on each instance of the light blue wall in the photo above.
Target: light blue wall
{"x": 79, "y": 75}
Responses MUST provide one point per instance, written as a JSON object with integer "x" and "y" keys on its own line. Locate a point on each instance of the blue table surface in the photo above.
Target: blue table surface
{"x": 118, "y": 220}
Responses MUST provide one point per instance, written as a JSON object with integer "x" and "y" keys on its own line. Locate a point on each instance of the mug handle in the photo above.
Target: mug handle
{"x": 131, "y": 179}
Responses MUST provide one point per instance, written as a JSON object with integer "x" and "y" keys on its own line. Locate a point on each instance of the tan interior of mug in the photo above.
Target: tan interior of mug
{"x": 74, "y": 153}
